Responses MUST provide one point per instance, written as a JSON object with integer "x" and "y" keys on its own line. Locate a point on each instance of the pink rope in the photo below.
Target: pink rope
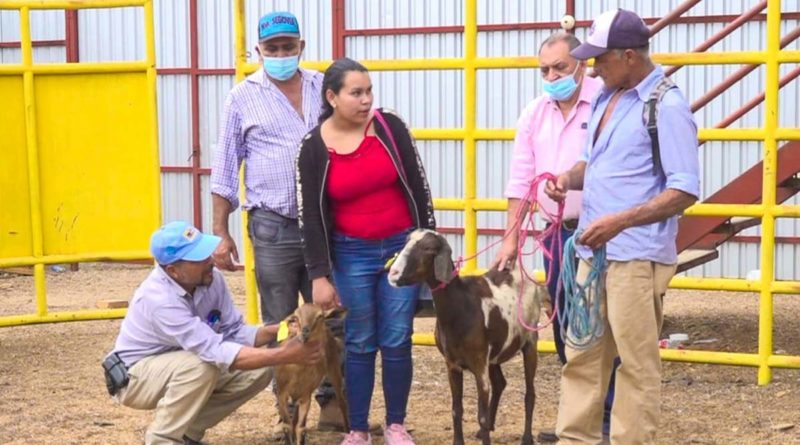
{"x": 525, "y": 225}
{"x": 554, "y": 231}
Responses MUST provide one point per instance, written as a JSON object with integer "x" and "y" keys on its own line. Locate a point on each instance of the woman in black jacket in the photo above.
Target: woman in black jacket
{"x": 361, "y": 189}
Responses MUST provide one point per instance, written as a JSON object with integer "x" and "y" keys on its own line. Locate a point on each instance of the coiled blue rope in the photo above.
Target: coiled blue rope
{"x": 580, "y": 319}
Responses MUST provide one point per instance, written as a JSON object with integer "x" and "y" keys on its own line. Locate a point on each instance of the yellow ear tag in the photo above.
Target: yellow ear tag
{"x": 391, "y": 261}
{"x": 283, "y": 331}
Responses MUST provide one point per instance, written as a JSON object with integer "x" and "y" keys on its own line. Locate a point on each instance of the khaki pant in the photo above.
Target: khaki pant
{"x": 632, "y": 310}
{"x": 188, "y": 394}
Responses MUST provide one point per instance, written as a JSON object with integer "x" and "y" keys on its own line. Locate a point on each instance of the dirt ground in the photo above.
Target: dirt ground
{"x": 52, "y": 389}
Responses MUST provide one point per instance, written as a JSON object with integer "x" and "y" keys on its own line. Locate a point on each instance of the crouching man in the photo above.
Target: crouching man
{"x": 184, "y": 349}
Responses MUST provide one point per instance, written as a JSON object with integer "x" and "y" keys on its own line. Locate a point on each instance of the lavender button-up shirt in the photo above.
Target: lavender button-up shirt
{"x": 162, "y": 317}
{"x": 260, "y": 125}
{"x": 619, "y": 171}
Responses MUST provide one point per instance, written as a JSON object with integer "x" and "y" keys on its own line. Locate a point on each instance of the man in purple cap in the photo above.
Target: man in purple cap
{"x": 632, "y": 194}
{"x": 183, "y": 348}
{"x": 265, "y": 117}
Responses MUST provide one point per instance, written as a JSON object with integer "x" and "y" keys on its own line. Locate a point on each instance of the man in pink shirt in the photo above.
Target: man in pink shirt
{"x": 551, "y": 133}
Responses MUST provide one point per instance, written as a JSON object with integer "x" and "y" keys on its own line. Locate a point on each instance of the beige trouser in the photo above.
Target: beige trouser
{"x": 632, "y": 311}
{"x": 189, "y": 395}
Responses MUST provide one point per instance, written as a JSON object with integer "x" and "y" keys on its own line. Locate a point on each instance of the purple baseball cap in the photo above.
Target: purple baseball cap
{"x": 615, "y": 29}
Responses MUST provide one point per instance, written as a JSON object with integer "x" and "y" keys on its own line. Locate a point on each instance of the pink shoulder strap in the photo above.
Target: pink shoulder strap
{"x": 381, "y": 120}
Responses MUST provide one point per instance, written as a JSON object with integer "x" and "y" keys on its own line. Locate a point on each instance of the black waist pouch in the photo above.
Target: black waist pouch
{"x": 116, "y": 373}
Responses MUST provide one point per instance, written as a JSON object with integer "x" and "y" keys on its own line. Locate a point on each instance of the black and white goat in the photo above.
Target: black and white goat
{"x": 477, "y": 328}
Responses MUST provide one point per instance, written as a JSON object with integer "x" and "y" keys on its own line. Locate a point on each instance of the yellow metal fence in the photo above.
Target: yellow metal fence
{"x": 28, "y": 88}
{"x": 79, "y": 180}
{"x": 470, "y": 204}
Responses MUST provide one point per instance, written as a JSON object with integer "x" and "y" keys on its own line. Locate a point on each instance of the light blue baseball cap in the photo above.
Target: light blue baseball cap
{"x": 179, "y": 240}
{"x": 278, "y": 24}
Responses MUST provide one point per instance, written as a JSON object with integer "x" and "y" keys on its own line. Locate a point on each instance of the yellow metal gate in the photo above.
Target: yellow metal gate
{"x": 79, "y": 180}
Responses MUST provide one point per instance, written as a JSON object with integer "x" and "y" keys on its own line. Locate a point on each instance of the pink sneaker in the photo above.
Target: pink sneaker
{"x": 357, "y": 438}
{"x": 396, "y": 434}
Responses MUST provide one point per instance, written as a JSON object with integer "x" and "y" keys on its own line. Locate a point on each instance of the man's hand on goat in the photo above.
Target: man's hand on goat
{"x": 307, "y": 354}
{"x": 506, "y": 255}
{"x": 323, "y": 293}
{"x": 602, "y": 231}
{"x": 557, "y": 191}
{"x": 225, "y": 256}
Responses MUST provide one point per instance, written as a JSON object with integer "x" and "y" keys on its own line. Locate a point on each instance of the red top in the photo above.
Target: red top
{"x": 366, "y": 197}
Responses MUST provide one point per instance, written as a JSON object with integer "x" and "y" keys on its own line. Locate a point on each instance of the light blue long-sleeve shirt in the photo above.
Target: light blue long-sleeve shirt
{"x": 162, "y": 317}
{"x": 619, "y": 171}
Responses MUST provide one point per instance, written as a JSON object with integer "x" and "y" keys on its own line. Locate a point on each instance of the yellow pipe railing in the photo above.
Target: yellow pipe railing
{"x": 242, "y": 69}
{"x": 470, "y": 147}
{"x": 768, "y": 210}
{"x": 70, "y": 4}
{"x": 768, "y": 192}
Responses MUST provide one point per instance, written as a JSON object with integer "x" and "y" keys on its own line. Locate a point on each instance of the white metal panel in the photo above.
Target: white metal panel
{"x": 49, "y": 54}
{"x": 114, "y": 34}
{"x": 174, "y": 116}
{"x": 176, "y": 197}
{"x": 48, "y": 24}
{"x": 369, "y": 14}
{"x": 215, "y": 33}
{"x": 9, "y": 26}
{"x": 172, "y": 30}
{"x": 213, "y": 90}
{"x": 10, "y": 55}
{"x": 514, "y": 11}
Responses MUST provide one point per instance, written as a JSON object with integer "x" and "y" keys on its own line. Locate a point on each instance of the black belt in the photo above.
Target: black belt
{"x": 568, "y": 224}
{"x": 272, "y": 216}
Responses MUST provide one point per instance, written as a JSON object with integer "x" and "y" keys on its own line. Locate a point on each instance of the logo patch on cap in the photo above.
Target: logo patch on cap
{"x": 190, "y": 233}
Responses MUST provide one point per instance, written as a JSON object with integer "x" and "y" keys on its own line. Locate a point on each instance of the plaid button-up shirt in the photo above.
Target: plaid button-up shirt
{"x": 260, "y": 126}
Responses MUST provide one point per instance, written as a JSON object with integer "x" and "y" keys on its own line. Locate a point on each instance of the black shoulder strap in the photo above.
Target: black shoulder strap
{"x": 651, "y": 118}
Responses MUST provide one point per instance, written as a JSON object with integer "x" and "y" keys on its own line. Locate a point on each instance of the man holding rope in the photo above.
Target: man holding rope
{"x": 551, "y": 132}
{"x": 632, "y": 194}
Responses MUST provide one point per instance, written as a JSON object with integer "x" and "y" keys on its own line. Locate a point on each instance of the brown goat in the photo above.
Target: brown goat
{"x": 476, "y": 326}
{"x": 298, "y": 382}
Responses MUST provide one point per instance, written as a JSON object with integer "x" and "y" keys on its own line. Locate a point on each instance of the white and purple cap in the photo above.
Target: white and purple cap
{"x": 615, "y": 29}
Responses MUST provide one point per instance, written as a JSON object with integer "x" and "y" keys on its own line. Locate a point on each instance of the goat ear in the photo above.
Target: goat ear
{"x": 443, "y": 263}
{"x": 337, "y": 313}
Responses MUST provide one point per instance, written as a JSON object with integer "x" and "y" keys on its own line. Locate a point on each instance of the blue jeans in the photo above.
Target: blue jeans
{"x": 379, "y": 317}
{"x": 552, "y": 283}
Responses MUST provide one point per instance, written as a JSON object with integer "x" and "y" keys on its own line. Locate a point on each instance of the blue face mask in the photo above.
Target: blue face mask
{"x": 281, "y": 68}
{"x": 562, "y": 89}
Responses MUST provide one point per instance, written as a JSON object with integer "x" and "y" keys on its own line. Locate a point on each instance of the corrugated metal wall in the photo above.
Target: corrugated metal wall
{"x": 432, "y": 99}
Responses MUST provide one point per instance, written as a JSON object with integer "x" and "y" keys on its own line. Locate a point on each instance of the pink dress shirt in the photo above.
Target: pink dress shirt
{"x": 546, "y": 142}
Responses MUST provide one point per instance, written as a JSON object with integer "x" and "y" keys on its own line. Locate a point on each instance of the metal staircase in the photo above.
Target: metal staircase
{"x": 700, "y": 236}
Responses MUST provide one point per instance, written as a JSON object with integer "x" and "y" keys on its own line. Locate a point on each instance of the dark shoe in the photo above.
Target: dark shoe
{"x": 547, "y": 437}
{"x": 189, "y": 441}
